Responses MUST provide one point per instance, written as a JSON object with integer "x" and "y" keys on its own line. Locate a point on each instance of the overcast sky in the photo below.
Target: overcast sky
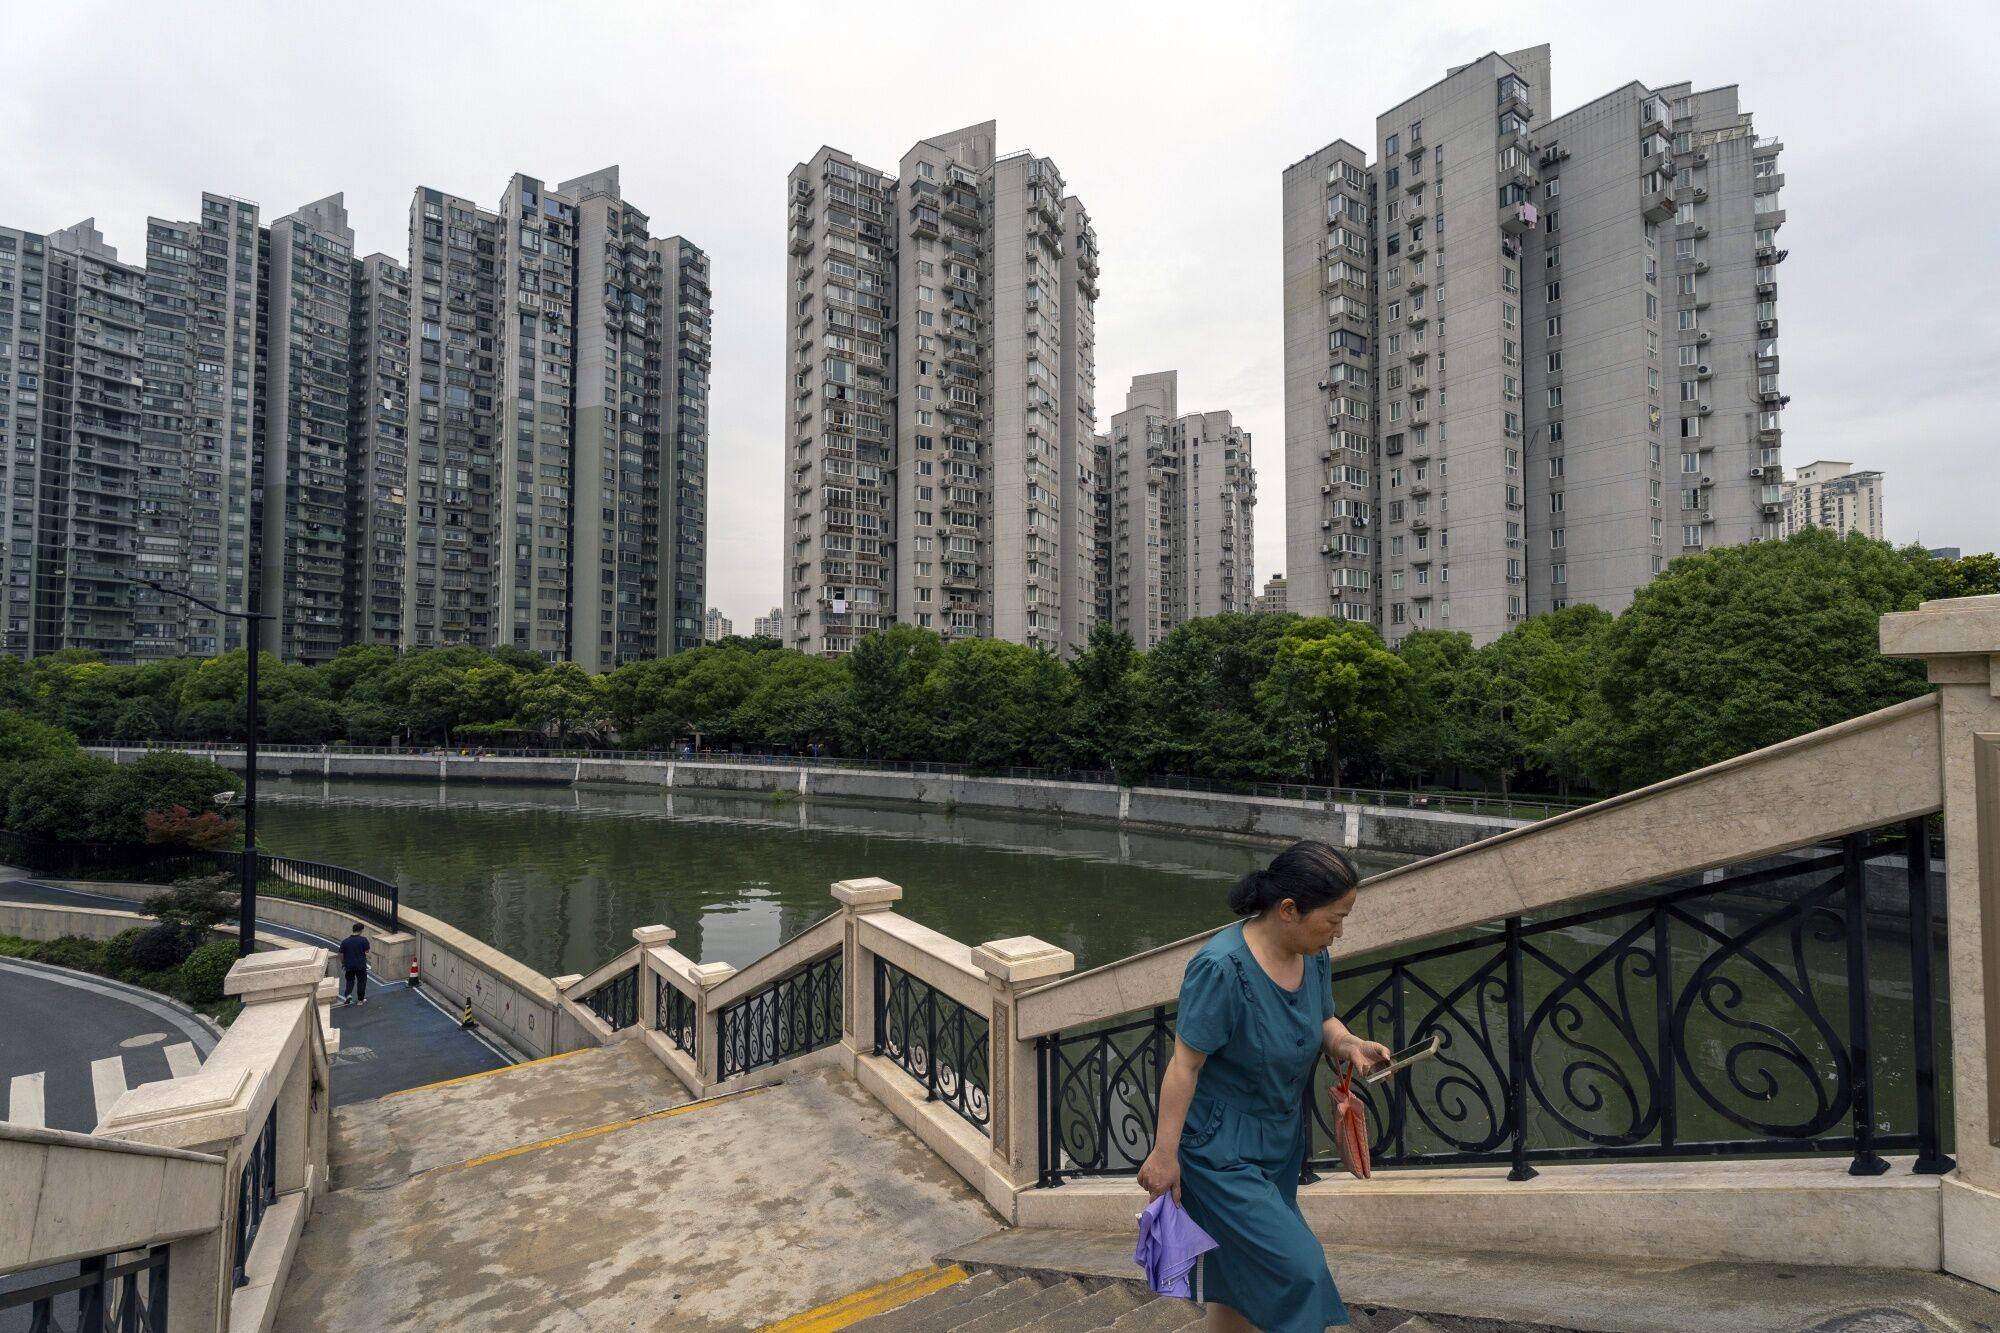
{"x": 1171, "y": 121}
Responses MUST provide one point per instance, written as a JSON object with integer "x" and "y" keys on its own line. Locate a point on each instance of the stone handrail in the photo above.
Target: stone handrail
{"x": 815, "y": 941}
{"x": 1756, "y": 804}
{"x": 164, "y": 1164}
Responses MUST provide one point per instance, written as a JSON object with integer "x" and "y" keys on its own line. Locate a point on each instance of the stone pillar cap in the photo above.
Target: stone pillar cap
{"x": 1945, "y": 627}
{"x": 276, "y": 974}
{"x": 1022, "y": 958}
{"x": 565, "y": 981}
{"x": 649, "y": 936}
{"x": 864, "y": 894}
{"x": 706, "y": 975}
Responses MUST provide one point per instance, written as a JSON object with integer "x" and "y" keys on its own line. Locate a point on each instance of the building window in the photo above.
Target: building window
{"x": 1555, "y": 291}
{"x": 1558, "y": 574}
{"x": 1556, "y": 466}
{"x": 1690, "y": 464}
{"x": 1556, "y": 538}
{"x": 1691, "y": 534}
{"x": 1556, "y": 396}
{"x": 1555, "y": 502}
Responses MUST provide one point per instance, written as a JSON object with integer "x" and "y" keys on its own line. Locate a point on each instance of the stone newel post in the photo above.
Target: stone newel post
{"x": 1013, "y": 1079}
{"x": 708, "y": 1048}
{"x": 857, "y": 898}
{"x": 649, "y": 937}
{"x": 1959, "y": 642}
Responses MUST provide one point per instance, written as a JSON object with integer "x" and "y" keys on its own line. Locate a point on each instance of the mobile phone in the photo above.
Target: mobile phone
{"x": 1406, "y": 1057}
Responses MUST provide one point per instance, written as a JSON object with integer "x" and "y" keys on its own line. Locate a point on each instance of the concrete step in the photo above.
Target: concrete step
{"x": 1162, "y": 1314}
{"x": 940, "y": 1309}
{"x": 1001, "y": 1298}
{"x": 1024, "y": 1312}
{"x": 1097, "y": 1309}
{"x": 1471, "y": 1292}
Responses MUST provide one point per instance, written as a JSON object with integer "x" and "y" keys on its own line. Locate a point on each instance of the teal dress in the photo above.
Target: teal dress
{"x": 1245, "y": 1138}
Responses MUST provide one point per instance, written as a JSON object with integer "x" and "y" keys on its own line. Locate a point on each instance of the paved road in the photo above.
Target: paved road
{"x": 399, "y": 1039}
{"x": 72, "y": 1044}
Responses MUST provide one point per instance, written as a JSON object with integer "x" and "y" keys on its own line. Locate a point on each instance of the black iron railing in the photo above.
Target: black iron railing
{"x": 351, "y": 891}
{"x": 674, "y": 1014}
{"x": 935, "y": 1040}
{"x": 1726, "y": 1015}
{"x": 256, "y": 1190}
{"x": 615, "y": 1001}
{"x": 99, "y": 1296}
{"x": 797, "y": 1013}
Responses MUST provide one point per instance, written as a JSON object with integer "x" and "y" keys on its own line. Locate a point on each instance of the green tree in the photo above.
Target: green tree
{"x": 886, "y": 695}
{"x": 562, "y": 698}
{"x": 1331, "y": 683}
{"x": 1967, "y": 576}
{"x": 1418, "y": 744}
{"x": 796, "y": 702}
{"x": 998, "y": 703}
{"x": 1103, "y": 720}
{"x": 1745, "y": 646}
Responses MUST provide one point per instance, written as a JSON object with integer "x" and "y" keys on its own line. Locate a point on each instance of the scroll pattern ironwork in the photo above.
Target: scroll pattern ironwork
{"x": 935, "y": 1040}
{"x": 1707, "y": 1017}
{"x": 797, "y": 1013}
{"x": 256, "y": 1190}
{"x": 616, "y": 1001}
{"x": 105, "y": 1292}
{"x": 674, "y": 1014}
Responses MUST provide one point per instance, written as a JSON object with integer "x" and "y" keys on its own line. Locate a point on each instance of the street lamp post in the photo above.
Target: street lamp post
{"x": 246, "y": 910}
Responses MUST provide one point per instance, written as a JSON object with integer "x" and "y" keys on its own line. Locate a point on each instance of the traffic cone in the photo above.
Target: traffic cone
{"x": 413, "y": 969}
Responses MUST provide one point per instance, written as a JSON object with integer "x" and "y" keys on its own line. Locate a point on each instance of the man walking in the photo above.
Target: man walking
{"x": 354, "y": 968}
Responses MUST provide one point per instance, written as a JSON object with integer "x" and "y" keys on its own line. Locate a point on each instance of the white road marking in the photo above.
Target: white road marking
{"x": 143, "y": 1039}
{"x": 107, "y": 1081}
{"x": 24, "y": 1101}
{"x": 182, "y": 1060}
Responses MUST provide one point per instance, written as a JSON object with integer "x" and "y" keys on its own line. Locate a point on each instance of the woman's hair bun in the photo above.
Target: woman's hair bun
{"x": 1311, "y": 874}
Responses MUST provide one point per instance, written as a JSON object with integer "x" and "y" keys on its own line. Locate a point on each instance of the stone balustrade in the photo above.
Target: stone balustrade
{"x": 218, "y": 1169}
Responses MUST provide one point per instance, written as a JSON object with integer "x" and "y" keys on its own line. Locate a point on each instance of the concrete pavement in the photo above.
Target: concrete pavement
{"x": 586, "y": 1192}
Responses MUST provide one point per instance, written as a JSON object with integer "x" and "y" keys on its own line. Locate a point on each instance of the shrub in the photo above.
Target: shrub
{"x": 71, "y": 951}
{"x": 116, "y": 955}
{"x": 194, "y": 905}
{"x": 202, "y": 974}
{"x": 161, "y": 948}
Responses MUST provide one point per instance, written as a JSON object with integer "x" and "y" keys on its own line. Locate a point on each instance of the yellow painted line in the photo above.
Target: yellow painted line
{"x": 487, "y": 1073}
{"x": 871, "y": 1301}
{"x": 579, "y": 1135}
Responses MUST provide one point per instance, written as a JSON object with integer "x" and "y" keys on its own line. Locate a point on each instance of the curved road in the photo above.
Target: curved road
{"x": 71, "y": 1043}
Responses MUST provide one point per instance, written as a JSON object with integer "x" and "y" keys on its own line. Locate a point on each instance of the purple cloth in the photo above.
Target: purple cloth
{"x": 1169, "y": 1243}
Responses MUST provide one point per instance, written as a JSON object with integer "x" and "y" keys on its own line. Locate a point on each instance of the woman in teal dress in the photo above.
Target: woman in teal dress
{"x": 1256, "y": 1010}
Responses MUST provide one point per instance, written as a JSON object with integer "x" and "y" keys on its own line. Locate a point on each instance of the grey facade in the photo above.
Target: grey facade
{"x": 72, "y": 322}
{"x": 1601, "y": 394}
{"x": 942, "y": 336}
{"x": 378, "y": 432}
{"x": 1179, "y": 520}
{"x": 504, "y": 442}
{"x": 303, "y": 525}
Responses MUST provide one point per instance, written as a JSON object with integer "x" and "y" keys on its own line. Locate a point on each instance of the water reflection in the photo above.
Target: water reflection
{"x": 557, "y": 876}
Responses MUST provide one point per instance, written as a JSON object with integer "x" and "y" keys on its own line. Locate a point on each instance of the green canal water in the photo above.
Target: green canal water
{"x": 558, "y": 876}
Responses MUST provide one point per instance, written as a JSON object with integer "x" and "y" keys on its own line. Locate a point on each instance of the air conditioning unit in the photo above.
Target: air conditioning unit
{"x": 1708, "y": 516}
{"x": 1766, "y": 325}
{"x": 1326, "y": 550}
{"x": 1701, "y": 370}
{"x": 1707, "y": 480}
{"x": 1325, "y": 523}
{"x": 1326, "y": 490}
{"x": 1325, "y": 455}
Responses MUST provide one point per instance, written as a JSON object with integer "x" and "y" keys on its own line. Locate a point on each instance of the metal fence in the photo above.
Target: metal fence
{"x": 674, "y": 1014}
{"x": 615, "y": 1001}
{"x": 1726, "y": 1015}
{"x": 352, "y": 891}
{"x": 1496, "y": 804}
{"x": 935, "y": 1040}
{"x": 256, "y": 1190}
{"x": 797, "y": 1013}
{"x": 104, "y": 1293}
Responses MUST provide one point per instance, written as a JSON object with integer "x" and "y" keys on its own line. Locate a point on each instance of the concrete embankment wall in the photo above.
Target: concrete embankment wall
{"x": 1408, "y": 832}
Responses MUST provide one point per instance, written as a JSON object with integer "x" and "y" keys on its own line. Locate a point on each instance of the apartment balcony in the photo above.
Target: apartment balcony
{"x": 1659, "y": 206}
{"x": 801, "y": 240}
{"x": 1767, "y": 287}
{"x": 1515, "y": 100}
{"x": 1517, "y": 218}
{"x": 1416, "y": 319}
{"x": 1417, "y": 249}
{"x": 1771, "y": 254}
{"x": 1420, "y": 353}
{"x": 1418, "y": 281}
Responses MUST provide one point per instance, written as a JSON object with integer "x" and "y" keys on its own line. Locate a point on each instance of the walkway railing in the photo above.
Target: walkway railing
{"x": 256, "y": 1191}
{"x": 1498, "y": 804}
{"x": 935, "y": 1040}
{"x": 1786, "y": 1007}
{"x": 616, "y": 1002}
{"x": 794, "y": 1015}
{"x": 353, "y": 891}
{"x": 102, "y": 1293}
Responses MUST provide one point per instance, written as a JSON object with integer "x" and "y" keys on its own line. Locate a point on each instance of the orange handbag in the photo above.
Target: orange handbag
{"x": 1350, "y": 1124}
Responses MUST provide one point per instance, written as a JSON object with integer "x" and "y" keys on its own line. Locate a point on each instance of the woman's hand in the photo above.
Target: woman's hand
{"x": 1366, "y": 1056}
{"x": 1159, "y": 1173}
